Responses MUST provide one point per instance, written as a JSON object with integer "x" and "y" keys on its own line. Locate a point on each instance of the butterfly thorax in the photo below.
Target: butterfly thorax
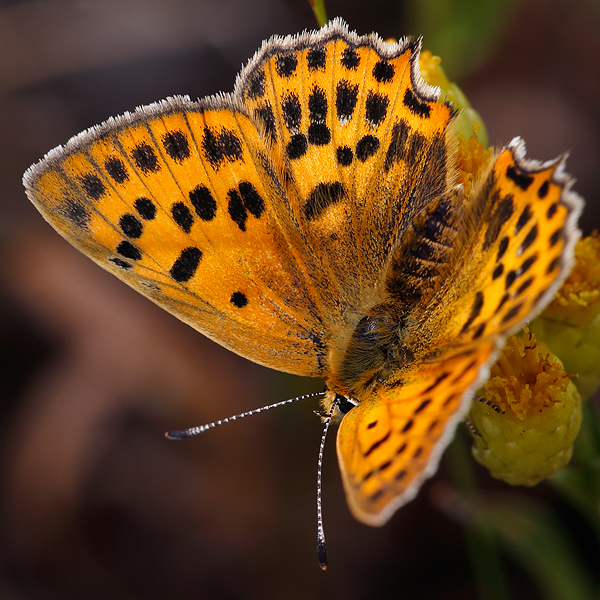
{"x": 386, "y": 340}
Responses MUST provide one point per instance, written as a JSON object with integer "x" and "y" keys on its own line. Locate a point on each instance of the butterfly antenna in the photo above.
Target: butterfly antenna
{"x": 180, "y": 434}
{"x": 321, "y": 549}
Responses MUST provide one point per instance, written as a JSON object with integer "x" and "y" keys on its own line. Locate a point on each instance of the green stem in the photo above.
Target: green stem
{"x": 482, "y": 544}
{"x": 541, "y": 545}
{"x": 318, "y": 7}
{"x": 579, "y": 482}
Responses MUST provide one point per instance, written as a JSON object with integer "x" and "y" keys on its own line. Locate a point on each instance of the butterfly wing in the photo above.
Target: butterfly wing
{"x": 175, "y": 201}
{"x": 361, "y": 144}
{"x": 393, "y": 439}
{"x": 480, "y": 270}
{"x": 262, "y": 219}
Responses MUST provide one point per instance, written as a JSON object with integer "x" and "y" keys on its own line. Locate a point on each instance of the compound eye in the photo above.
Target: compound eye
{"x": 344, "y": 403}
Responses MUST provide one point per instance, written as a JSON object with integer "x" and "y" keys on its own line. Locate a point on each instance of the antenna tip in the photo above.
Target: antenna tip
{"x": 322, "y": 556}
{"x": 177, "y": 435}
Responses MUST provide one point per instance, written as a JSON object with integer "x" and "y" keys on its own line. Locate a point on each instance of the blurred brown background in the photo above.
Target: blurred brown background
{"x": 95, "y": 502}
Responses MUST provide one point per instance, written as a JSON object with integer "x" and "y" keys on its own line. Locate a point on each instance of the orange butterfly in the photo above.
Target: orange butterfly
{"x": 311, "y": 222}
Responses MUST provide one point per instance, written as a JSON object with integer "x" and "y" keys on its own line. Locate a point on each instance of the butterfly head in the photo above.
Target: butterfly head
{"x": 336, "y": 405}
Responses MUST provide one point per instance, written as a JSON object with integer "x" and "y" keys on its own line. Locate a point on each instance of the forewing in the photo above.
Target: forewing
{"x": 175, "y": 201}
{"x": 361, "y": 143}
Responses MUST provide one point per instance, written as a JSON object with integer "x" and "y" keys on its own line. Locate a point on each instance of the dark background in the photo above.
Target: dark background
{"x": 94, "y": 502}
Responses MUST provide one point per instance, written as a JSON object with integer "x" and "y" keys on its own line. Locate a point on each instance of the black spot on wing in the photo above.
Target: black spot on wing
{"x": 346, "y": 97}
{"x": 524, "y": 286}
{"x": 527, "y": 264}
{"x": 344, "y": 156}
{"x": 422, "y": 406}
{"x": 523, "y": 218}
{"x": 145, "y": 208}
{"x": 415, "y": 105}
{"x": 285, "y": 64}
{"x": 182, "y": 216}
{"x": 518, "y": 177}
{"x": 510, "y": 279}
{"x": 315, "y": 58}
{"x": 219, "y": 146}
{"x": 503, "y": 301}
{"x": 475, "y": 311}
{"x": 131, "y": 226}
{"x": 479, "y": 331}
{"x": 184, "y": 268}
{"x": 407, "y": 426}
{"x": 376, "y": 108}
{"x": 176, "y": 145}
{"x": 76, "y": 213}
{"x": 529, "y": 239}
{"x": 400, "y": 475}
{"x": 256, "y": 84}
{"x": 383, "y": 71}
{"x": 552, "y": 210}
{"x": 556, "y": 237}
{"x": 376, "y": 444}
{"x": 512, "y": 313}
{"x": 366, "y": 147}
{"x": 203, "y": 202}
{"x": 319, "y": 134}
{"x": 323, "y": 196}
{"x": 502, "y": 248}
{"x": 92, "y": 186}
{"x": 128, "y": 250}
{"x": 436, "y": 382}
{"x": 242, "y": 201}
{"x": 252, "y": 200}
{"x": 501, "y": 214}
{"x": 116, "y": 169}
{"x": 297, "y": 146}
{"x": 265, "y": 116}
{"x": 292, "y": 112}
{"x": 145, "y": 158}
{"x": 553, "y": 265}
{"x": 350, "y": 59}
{"x": 238, "y": 299}
{"x": 122, "y": 264}
{"x": 317, "y": 105}
{"x": 237, "y": 210}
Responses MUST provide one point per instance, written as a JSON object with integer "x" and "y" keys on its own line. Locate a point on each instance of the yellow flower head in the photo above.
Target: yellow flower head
{"x": 578, "y": 300}
{"x": 530, "y": 435}
{"x": 570, "y": 325}
{"x": 472, "y": 153}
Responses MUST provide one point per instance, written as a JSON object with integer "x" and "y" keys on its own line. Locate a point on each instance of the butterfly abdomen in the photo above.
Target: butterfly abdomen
{"x": 424, "y": 253}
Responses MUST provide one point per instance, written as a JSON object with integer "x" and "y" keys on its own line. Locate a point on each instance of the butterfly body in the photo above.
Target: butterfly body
{"x": 311, "y": 222}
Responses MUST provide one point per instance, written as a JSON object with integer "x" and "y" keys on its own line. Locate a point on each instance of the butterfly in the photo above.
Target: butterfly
{"x": 311, "y": 222}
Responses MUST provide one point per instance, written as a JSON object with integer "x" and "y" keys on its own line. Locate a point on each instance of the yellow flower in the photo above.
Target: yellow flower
{"x": 578, "y": 300}
{"x": 471, "y": 159}
{"x": 530, "y": 435}
{"x": 570, "y": 325}
{"x": 472, "y": 155}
